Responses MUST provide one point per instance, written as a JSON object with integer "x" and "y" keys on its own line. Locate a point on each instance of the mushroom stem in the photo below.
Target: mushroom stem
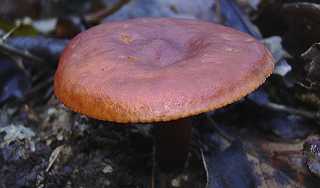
{"x": 172, "y": 143}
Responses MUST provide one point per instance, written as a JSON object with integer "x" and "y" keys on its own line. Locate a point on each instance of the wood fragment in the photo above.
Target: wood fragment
{"x": 12, "y": 51}
{"x": 294, "y": 111}
{"x": 54, "y": 156}
{"x": 205, "y": 167}
{"x": 96, "y": 17}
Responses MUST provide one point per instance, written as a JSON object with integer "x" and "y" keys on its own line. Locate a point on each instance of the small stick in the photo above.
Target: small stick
{"x": 54, "y": 156}
{"x": 7, "y": 35}
{"x": 204, "y": 163}
{"x": 219, "y": 130}
{"x": 14, "y": 51}
{"x": 97, "y": 16}
{"x": 17, "y": 52}
{"x": 300, "y": 112}
{"x": 218, "y": 11}
{"x": 40, "y": 86}
{"x": 153, "y": 166}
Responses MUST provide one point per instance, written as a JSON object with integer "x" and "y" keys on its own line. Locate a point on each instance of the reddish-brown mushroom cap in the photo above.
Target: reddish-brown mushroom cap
{"x": 158, "y": 69}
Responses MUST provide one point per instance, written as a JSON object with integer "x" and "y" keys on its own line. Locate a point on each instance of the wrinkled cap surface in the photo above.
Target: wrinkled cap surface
{"x": 158, "y": 69}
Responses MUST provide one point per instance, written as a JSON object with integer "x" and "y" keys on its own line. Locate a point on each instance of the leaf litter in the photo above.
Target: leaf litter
{"x": 269, "y": 139}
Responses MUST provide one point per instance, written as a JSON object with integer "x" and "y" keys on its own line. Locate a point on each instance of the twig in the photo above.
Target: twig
{"x": 218, "y": 11}
{"x": 97, "y": 16}
{"x": 300, "y": 112}
{"x": 154, "y": 177}
{"x": 204, "y": 163}
{"x": 48, "y": 94}
{"x": 7, "y": 35}
{"x": 219, "y": 130}
{"x": 157, "y": 175}
{"x": 17, "y": 52}
{"x": 39, "y": 75}
{"x": 18, "y": 61}
{"x": 54, "y": 156}
{"x": 40, "y": 86}
{"x": 14, "y": 51}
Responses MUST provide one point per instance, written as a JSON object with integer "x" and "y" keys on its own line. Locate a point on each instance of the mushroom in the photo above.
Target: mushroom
{"x": 160, "y": 71}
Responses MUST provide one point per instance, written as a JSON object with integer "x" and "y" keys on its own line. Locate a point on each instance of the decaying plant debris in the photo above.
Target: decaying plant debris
{"x": 269, "y": 139}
